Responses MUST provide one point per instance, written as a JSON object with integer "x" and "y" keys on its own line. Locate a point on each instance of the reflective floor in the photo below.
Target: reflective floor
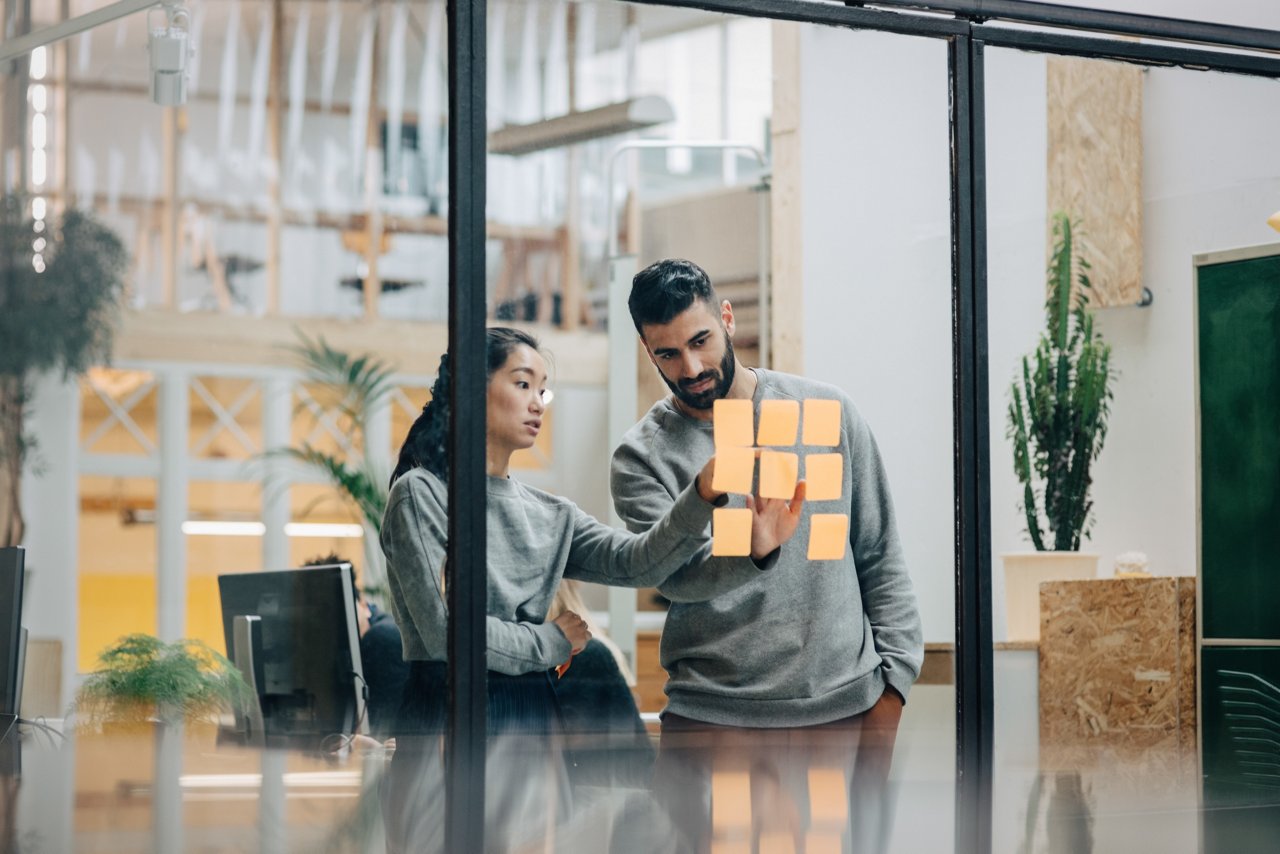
{"x": 127, "y": 791}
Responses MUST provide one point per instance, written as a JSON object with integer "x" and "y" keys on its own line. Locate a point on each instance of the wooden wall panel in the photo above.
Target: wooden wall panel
{"x": 1095, "y": 169}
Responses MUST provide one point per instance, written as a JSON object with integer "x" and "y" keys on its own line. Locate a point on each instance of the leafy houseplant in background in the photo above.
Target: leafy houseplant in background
{"x": 61, "y": 283}
{"x": 142, "y": 679}
{"x": 1057, "y": 421}
{"x": 356, "y": 385}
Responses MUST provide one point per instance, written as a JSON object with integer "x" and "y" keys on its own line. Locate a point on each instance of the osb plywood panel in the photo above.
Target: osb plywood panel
{"x": 786, "y": 348}
{"x": 1117, "y": 680}
{"x": 1187, "y": 722}
{"x": 1095, "y": 169}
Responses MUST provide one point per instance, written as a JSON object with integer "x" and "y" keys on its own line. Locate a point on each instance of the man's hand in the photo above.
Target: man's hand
{"x": 880, "y": 722}
{"x": 773, "y": 521}
{"x": 575, "y": 629}
{"x": 704, "y": 481}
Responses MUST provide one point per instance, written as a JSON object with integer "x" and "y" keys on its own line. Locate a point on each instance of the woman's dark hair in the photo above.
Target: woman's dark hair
{"x": 427, "y": 442}
{"x": 662, "y": 290}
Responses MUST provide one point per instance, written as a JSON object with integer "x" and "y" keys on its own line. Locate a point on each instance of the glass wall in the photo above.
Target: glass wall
{"x": 1115, "y": 699}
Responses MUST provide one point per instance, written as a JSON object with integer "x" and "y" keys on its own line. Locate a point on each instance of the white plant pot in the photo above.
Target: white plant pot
{"x": 1024, "y": 572}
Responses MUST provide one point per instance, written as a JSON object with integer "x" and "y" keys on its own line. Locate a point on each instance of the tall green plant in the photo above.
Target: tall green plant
{"x": 1060, "y": 405}
{"x": 57, "y": 313}
{"x": 358, "y": 384}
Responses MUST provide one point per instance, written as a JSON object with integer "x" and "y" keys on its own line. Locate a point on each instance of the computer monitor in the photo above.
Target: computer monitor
{"x": 12, "y": 651}
{"x": 307, "y": 664}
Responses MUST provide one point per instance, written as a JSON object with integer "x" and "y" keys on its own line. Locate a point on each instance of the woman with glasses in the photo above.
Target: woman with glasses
{"x": 534, "y": 539}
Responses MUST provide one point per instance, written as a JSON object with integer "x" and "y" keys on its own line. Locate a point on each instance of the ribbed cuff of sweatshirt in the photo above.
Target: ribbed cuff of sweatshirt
{"x": 898, "y": 679}
{"x": 554, "y": 642}
{"x": 690, "y": 512}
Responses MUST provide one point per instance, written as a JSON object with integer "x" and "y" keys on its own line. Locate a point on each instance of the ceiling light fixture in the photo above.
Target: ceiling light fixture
{"x": 582, "y": 126}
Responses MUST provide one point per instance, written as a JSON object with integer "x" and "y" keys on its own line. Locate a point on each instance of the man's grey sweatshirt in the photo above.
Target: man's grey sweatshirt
{"x": 794, "y": 642}
{"x": 532, "y": 540}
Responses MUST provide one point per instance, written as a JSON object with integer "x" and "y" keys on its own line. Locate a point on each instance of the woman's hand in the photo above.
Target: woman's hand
{"x": 773, "y": 521}
{"x": 575, "y": 629}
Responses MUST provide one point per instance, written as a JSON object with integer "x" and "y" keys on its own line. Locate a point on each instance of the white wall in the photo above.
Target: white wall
{"x": 51, "y": 504}
{"x": 877, "y": 271}
{"x": 877, "y": 277}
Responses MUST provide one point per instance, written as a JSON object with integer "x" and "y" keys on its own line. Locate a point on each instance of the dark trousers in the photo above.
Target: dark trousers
{"x": 526, "y": 785}
{"x": 778, "y": 765}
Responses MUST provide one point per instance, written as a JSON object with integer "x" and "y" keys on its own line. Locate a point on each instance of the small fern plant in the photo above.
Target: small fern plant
{"x": 142, "y": 678}
{"x": 1060, "y": 405}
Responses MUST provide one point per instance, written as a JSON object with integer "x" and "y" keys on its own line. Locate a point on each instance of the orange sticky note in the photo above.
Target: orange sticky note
{"x": 779, "y": 420}
{"x": 731, "y": 532}
{"x": 735, "y": 467}
{"x": 828, "y": 536}
{"x": 822, "y": 422}
{"x": 778, "y": 472}
{"x": 823, "y": 476}
{"x": 732, "y": 422}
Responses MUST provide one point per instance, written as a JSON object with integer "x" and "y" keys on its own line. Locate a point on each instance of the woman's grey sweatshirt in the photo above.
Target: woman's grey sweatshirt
{"x": 794, "y": 642}
{"x": 533, "y": 539}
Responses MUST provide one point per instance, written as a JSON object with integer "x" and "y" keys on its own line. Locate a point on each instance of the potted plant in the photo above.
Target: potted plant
{"x": 142, "y": 680}
{"x": 61, "y": 283}
{"x": 1057, "y": 421}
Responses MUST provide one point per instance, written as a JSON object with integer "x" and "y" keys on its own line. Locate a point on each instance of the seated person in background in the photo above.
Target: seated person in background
{"x": 385, "y": 670}
{"x": 608, "y": 740}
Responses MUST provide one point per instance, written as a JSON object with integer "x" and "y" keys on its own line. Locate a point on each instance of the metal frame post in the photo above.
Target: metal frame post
{"x": 466, "y": 581}
{"x": 974, "y": 661}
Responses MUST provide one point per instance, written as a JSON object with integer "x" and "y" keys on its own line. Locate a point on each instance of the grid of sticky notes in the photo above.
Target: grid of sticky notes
{"x": 739, "y": 444}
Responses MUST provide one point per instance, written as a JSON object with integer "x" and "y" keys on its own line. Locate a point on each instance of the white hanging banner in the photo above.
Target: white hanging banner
{"x": 360, "y": 98}
{"x": 329, "y": 71}
{"x": 86, "y": 178}
{"x": 584, "y": 37}
{"x": 555, "y": 91}
{"x": 84, "y": 51}
{"x": 148, "y": 167}
{"x": 298, "y": 82}
{"x": 198, "y": 11}
{"x": 115, "y": 178}
{"x": 430, "y": 148}
{"x": 528, "y": 106}
{"x": 227, "y": 83}
{"x": 496, "y": 70}
{"x": 393, "y": 86}
{"x": 258, "y": 92}
{"x": 555, "y": 102}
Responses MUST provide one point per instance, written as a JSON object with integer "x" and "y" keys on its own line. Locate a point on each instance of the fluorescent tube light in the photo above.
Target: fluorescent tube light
{"x": 210, "y": 528}
{"x": 321, "y": 529}
{"x": 609, "y": 120}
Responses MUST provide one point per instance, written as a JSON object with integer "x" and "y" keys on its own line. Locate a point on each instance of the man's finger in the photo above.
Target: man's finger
{"x": 797, "y": 500}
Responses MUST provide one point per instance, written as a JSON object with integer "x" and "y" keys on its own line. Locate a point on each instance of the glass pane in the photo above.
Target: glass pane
{"x": 226, "y": 538}
{"x": 786, "y": 656}
{"x": 1112, "y": 702}
{"x": 117, "y": 562}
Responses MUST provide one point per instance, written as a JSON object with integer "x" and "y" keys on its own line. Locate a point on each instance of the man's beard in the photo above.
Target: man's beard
{"x": 723, "y": 378}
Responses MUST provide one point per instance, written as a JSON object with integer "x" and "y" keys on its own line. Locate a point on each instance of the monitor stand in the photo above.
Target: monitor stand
{"x": 10, "y": 747}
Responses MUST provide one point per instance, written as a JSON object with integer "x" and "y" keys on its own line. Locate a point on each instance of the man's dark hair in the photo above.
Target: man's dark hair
{"x": 333, "y": 559}
{"x": 666, "y": 288}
